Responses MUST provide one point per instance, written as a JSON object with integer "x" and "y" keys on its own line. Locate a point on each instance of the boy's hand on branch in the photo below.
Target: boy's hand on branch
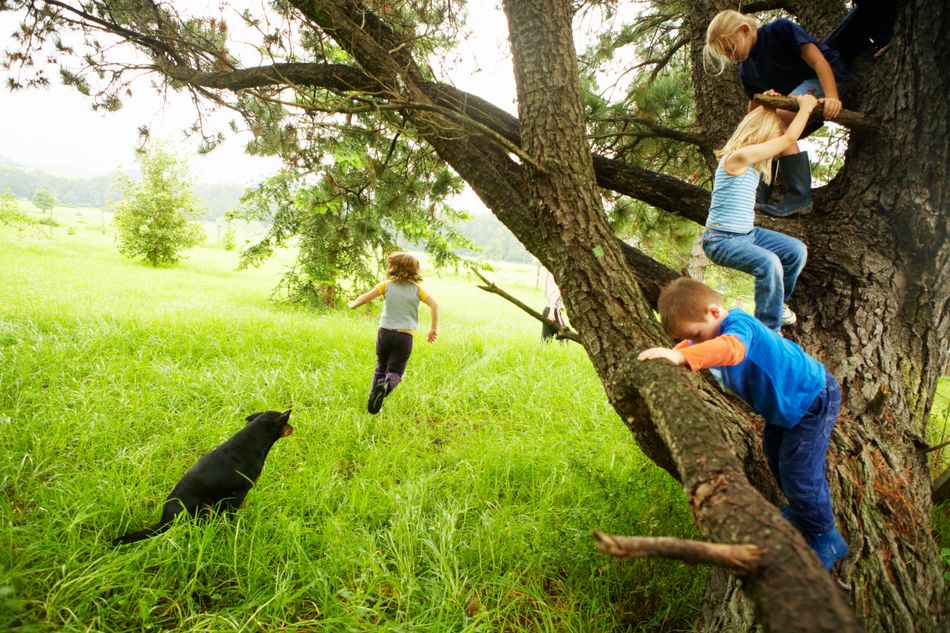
{"x": 352, "y": 304}
{"x": 832, "y": 107}
{"x": 673, "y": 355}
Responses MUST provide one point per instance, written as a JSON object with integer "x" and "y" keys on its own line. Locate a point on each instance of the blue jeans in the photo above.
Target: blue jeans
{"x": 774, "y": 259}
{"x": 797, "y": 458}
{"x": 809, "y": 86}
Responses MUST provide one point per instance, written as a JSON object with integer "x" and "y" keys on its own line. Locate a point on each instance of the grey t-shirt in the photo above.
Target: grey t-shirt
{"x": 400, "y": 304}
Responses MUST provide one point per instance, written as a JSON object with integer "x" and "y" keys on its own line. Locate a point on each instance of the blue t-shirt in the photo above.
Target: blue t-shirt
{"x": 775, "y": 62}
{"x": 776, "y": 377}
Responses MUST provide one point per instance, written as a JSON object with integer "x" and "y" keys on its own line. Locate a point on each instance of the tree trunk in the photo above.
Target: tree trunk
{"x": 697, "y": 263}
{"x": 874, "y": 305}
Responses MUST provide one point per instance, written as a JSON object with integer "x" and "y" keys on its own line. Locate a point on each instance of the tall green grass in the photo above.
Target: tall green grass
{"x": 465, "y": 505}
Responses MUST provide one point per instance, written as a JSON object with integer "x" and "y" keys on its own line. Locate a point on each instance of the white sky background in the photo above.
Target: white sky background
{"x": 56, "y": 129}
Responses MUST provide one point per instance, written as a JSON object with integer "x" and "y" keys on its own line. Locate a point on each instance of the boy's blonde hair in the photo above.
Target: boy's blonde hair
{"x": 756, "y": 127}
{"x": 684, "y": 300}
{"x": 717, "y": 53}
{"x": 403, "y": 267}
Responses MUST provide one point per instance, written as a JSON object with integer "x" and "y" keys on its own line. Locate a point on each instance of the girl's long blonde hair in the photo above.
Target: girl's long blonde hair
{"x": 717, "y": 53}
{"x": 756, "y": 127}
{"x": 403, "y": 267}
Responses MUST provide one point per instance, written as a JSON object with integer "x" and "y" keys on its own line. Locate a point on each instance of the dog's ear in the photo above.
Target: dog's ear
{"x": 251, "y": 417}
{"x": 285, "y": 415}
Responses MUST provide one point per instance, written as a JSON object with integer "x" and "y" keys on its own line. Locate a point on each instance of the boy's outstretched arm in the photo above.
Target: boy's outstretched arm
{"x": 673, "y": 355}
{"x": 363, "y": 299}
{"x": 434, "y": 318}
{"x": 721, "y": 351}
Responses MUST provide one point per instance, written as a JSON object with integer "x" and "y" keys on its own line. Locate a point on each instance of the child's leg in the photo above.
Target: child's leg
{"x": 399, "y": 356}
{"x": 791, "y": 252}
{"x": 377, "y": 390}
{"x": 741, "y": 253}
{"x": 383, "y": 349}
{"x": 772, "y": 445}
{"x": 802, "y": 461}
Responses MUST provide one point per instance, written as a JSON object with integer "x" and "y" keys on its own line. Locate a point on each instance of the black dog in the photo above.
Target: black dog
{"x": 222, "y": 478}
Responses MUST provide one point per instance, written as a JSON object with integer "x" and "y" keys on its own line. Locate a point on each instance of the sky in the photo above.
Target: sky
{"x": 55, "y": 129}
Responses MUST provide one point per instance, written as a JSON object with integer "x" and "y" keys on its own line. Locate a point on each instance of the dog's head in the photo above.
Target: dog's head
{"x": 274, "y": 421}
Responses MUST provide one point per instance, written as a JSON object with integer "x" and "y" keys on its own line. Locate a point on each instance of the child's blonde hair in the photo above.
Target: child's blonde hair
{"x": 717, "y": 53}
{"x": 403, "y": 267}
{"x": 756, "y": 127}
{"x": 682, "y": 301}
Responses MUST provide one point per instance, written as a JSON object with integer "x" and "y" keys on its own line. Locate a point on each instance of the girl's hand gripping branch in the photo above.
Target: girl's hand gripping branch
{"x": 808, "y": 102}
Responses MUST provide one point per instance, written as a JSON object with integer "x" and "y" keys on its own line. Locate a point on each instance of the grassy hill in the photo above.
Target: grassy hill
{"x": 465, "y": 505}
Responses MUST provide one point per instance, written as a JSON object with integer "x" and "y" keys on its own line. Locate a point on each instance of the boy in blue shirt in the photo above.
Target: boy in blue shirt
{"x": 795, "y": 394}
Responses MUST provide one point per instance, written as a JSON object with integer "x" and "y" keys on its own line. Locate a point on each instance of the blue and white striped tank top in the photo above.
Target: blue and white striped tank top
{"x": 732, "y": 204}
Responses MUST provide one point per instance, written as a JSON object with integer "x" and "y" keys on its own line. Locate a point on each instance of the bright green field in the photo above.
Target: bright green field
{"x": 466, "y": 505}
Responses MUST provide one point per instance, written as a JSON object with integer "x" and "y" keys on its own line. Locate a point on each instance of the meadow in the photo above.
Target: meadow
{"x": 467, "y": 504}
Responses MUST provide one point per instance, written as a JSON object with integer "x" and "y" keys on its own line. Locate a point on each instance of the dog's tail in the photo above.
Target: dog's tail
{"x": 142, "y": 534}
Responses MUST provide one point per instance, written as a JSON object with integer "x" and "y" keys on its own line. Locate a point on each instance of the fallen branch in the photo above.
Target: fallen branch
{"x": 562, "y": 332}
{"x": 744, "y": 558}
{"x": 847, "y": 118}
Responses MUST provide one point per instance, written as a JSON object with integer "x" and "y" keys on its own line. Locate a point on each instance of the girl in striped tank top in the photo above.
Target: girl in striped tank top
{"x": 730, "y": 238}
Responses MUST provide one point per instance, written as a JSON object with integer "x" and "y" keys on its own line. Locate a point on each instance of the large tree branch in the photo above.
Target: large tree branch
{"x": 659, "y": 190}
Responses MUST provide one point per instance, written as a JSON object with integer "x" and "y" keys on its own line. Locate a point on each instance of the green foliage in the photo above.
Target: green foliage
{"x": 349, "y": 208}
{"x": 10, "y": 212}
{"x": 155, "y": 219}
{"x": 650, "y": 124}
{"x": 44, "y": 200}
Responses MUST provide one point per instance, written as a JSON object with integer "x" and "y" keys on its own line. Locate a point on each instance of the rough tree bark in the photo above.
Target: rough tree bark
{"x": 873, "y": 300}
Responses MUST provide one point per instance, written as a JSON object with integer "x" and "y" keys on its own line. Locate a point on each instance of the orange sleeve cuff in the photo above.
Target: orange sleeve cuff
{"x": 721, "y": 351}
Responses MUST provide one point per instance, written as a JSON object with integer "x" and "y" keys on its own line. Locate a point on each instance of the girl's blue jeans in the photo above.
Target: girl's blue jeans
{"x": 774, "y": 259}
{"x": 797, "y": 458}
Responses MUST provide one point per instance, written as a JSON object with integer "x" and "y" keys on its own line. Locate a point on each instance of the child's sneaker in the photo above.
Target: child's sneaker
{"x": 788, "y": 317}
{"x": 830, "y": 547}
{"x": 376, "y": 396}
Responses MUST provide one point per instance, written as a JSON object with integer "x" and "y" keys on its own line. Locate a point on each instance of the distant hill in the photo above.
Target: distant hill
{"x": 495, "y": 239}
{"x": 98, "y": 191}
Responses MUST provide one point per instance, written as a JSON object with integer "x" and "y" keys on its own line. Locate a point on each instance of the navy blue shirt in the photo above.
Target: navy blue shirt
{"x": 775, "y": 62}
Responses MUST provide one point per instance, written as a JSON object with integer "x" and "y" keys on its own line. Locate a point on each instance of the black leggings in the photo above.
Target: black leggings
{"x": 392, "y": 353}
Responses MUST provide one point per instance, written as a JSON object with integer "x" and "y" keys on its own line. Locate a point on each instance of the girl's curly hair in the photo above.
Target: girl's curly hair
{"x": 403, "y": 267}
